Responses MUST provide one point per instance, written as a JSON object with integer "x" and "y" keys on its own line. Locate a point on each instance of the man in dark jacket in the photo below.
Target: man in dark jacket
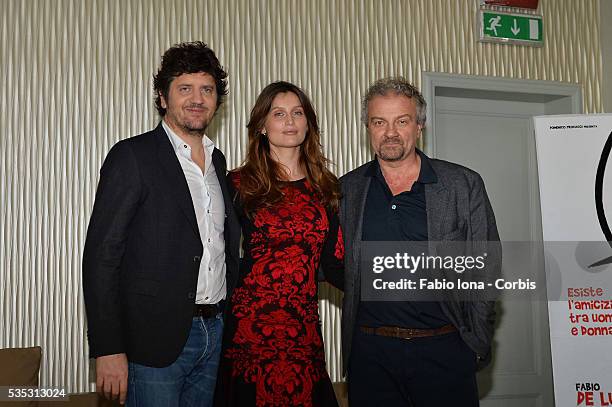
{"x": 408, "y": 353}
{"x": 161, "y": 253}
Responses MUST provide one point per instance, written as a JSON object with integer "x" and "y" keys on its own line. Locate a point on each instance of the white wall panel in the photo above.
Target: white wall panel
{"x": 76, "y": 77}
{"x": 605, "y": 36}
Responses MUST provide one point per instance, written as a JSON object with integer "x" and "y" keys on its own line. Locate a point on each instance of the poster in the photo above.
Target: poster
{"x": 575, "y": 179}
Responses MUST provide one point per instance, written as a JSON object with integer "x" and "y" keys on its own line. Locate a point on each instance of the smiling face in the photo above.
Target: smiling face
{"x": 392, "y": 126}
{"x": 285, "y": 124}
{"x": 191, "y": 103}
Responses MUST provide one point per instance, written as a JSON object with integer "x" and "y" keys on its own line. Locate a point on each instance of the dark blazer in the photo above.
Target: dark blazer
{"x": 458, "y": 209}
{"x": 143, "y": 249}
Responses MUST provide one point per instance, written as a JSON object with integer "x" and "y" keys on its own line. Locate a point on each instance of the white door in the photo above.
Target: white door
{"x": 491, "y": 132}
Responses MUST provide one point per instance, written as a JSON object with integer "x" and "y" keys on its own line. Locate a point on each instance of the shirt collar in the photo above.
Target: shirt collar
{"x": 179, "y": 145}
{"x": 427, "y": 175}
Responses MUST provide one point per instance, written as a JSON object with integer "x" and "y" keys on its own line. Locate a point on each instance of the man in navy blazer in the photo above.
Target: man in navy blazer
{"x": 409, "y": 353}
{"x": 161, "y": 253}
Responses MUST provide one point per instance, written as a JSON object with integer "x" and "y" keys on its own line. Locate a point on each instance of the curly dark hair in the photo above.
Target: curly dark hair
{"x": 188, "y": 57}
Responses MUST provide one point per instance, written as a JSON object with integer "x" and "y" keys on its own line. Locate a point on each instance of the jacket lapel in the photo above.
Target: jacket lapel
{"x": 437, "y": 199}
{"x": 360, "y": 194}
{"x": 219, "y": 164}
{"x": 174, "y": 178}
{"x": 357, "y": 193}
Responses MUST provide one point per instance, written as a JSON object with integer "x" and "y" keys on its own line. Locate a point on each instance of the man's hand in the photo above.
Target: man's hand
{"x": 112, "y": 376}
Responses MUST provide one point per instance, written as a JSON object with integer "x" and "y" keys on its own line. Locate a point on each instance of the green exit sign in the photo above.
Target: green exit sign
{"x": 498, "y": 26}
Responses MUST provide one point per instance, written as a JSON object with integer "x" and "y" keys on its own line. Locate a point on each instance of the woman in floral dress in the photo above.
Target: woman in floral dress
{"x": 288, "y": 202}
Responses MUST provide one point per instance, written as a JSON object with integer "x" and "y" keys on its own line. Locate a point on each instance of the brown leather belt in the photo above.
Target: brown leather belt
{"x": 407, "y": 333}
{"x": 205, "y": 310}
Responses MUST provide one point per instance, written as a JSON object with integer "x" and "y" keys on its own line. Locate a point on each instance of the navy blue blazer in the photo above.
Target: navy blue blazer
{"x": 143, "y": 249}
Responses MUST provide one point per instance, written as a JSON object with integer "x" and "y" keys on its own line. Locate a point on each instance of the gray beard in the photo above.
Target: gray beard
{"x": 393, "y": 155}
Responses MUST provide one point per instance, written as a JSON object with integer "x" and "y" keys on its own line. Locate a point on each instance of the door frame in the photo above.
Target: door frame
{"x": 537, "y": 90}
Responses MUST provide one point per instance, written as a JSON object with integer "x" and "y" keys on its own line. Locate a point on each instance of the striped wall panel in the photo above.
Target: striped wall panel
{"x": 76, "y": 77}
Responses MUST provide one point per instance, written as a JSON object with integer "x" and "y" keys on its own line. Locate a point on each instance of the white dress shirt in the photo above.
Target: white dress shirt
{"x": 209, "y": 208}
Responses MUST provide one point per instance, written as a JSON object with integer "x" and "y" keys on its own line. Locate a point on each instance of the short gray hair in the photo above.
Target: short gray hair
{"x": 399, "y": 86}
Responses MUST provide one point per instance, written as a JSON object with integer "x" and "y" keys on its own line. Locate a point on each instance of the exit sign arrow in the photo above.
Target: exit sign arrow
{"x": 505, "y": 27}
{"x": 515, "y": 29}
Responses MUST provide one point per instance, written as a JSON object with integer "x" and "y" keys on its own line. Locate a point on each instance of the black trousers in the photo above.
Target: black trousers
{"x": 436, "y": 371}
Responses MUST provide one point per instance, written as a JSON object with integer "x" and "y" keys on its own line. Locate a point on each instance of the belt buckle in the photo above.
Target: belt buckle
{"x": 205, "y": 310}
{"x": 402, "y": 335}
{"x": 409, "y": 334}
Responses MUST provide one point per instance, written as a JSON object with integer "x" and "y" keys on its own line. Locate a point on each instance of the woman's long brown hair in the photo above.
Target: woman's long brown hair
{"x": 261, "y": 176}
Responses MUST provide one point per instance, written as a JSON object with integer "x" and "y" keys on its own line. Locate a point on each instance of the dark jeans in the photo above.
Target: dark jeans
{"x": 190, "y": 380}
{"x": 435, "y": 371}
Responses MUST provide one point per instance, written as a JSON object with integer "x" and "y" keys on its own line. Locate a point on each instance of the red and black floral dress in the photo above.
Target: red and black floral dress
{"x": 273, "y": 352}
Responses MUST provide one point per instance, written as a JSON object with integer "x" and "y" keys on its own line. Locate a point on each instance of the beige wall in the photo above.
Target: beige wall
{"x": 605, "y": 22}
{"x": 76, "y": 77}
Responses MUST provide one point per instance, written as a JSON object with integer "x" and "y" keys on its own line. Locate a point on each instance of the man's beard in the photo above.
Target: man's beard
{"x": 391, "y": 154}
{"x": 195, "y": 129}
